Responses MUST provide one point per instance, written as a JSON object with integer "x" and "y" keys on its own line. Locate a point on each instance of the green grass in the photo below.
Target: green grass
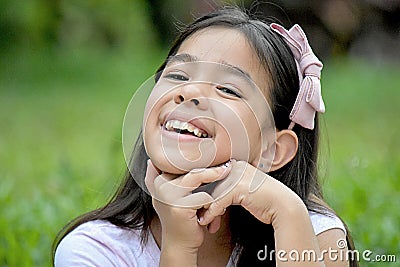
{"x": 362, "y": 182}
{"x": 61, "y": 155}
{"x": 60, "y": 138}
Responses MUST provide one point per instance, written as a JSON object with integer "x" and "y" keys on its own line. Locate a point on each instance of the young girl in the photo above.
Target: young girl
{"x": 213, "y": 204}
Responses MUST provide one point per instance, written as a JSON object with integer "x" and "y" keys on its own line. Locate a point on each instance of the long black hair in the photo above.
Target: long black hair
{"x": 131, "y": 207}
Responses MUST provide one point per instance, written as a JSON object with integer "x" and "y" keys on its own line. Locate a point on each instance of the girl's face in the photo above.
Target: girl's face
{"x": 208, "y": 106}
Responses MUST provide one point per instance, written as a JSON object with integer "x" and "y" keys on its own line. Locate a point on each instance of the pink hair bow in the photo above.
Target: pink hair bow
{"x": 309, "y": 99}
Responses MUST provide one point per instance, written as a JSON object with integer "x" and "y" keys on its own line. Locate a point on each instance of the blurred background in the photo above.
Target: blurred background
{"x": 69, "y": 68}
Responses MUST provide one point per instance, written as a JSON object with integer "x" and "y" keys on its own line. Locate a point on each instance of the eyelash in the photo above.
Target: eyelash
{"x": 228, "y": 91}
{"x": 177, "y": 77}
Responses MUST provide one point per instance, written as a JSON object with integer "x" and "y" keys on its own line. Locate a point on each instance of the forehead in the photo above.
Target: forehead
{"x": 226, "y": 46}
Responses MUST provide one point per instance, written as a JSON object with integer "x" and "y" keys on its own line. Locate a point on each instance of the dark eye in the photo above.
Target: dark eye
{"x": 176, "y": 76}
{"x": 229, "y": 91}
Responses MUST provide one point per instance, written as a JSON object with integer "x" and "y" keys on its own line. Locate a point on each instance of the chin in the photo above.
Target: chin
{"x": 165, "y": 166}
{"x": 169, "y": 168}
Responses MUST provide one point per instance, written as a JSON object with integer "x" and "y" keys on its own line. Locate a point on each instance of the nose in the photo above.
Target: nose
{"x": 194, "y": 93}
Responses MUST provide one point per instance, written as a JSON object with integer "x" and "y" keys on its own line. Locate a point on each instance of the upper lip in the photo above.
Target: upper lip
{"x": 185, "y": 117}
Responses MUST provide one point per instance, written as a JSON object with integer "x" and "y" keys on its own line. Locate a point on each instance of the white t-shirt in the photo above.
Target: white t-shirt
{"x": 100, "y": 243}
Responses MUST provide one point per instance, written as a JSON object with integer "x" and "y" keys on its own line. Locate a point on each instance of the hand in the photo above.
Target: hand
{"x": 262, "y": 195}
{"x": 177, "y": 206}
{"x": 271, "y": 202}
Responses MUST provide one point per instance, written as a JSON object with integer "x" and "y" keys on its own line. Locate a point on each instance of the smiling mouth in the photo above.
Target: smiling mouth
{"x": 183, "y": 127}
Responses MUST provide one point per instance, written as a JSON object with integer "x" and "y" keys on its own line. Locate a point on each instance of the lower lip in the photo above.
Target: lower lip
{"x": 180, "y": 137}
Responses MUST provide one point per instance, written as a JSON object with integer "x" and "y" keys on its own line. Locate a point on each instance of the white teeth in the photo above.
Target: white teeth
{"x": 168, "y": 125}
{"x": 180, "y": 125}
{"x": 176, "y": 124}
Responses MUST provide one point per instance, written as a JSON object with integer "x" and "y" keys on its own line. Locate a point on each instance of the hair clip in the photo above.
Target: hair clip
{"x": 309, "y": 99}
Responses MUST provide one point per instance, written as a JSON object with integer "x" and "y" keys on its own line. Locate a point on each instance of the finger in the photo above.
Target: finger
{"x": 167, "y": 192}
{"x": 225, "y": 185}
{"x": 174, "y": 191}
{"x": 214, "y": 225}
{"x": 186, "y": 184}
{"x": 216, "y": 208}
{"x": 160, "y": 180}
{"x": 194, "y": 201}
{"x": 196, "y": 177}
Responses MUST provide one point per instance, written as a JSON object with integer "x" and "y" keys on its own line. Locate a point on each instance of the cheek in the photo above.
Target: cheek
{"x": 151, "y": 123}
{"x": 154, "y": 102}
{"x": 249, "y": 144}
{"x": 161, "y": 98}
{"x": 223, "y": 145}
{"x": 237, "y": 134}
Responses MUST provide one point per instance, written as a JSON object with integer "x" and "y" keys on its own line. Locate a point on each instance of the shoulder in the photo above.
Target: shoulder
{"x": 332, "y": 236}
{"x": 100, "y": 243}
{"x": 324, "y": 222}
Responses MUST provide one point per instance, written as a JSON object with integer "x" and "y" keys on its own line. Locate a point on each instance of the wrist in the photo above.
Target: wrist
{"x": 177, "y": 255}
{"x": 291, "y": 210}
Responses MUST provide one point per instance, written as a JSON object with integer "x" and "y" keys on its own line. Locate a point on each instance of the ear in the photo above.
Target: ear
{"x": 286, "y": 146}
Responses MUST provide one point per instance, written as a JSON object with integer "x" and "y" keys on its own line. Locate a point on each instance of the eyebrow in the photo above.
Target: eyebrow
{"x": 186, "y": 58}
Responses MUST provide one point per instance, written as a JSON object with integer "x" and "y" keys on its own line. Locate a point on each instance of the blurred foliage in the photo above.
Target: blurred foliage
{"x": 366, "y": 27}
{"x": 44, "y": 24}
{"x": 361, "y": 140}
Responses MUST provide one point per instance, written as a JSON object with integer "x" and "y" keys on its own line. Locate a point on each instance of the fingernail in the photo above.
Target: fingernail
{"x": 226, "y": 164}
{"x": 199, "y": 220}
